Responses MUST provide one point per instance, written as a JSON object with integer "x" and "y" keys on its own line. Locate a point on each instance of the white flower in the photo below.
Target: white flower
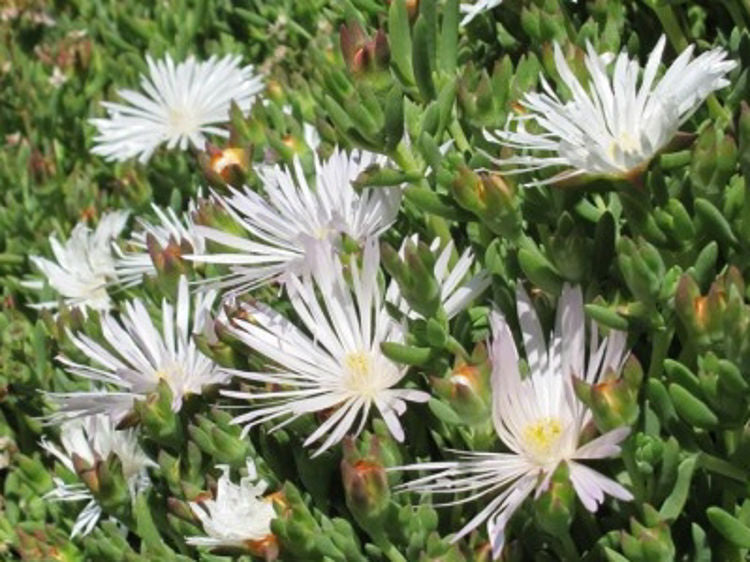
{"x": 239, "y": 515}
{"x": 181, "y": 104}
{"x": 58, "y": 77}
{"x": 474, "y": 8}
{"x": 133, "y": 265}
{"x": 454, "y": 294}
{"x": 281, "y": 226}
{"x": 339, "y": 365}
{"x": 93, "y": 439}
{"x": 84, "y": 264}
{"x": 138, "y": 356}
{"x": 615, "y": 128}
{"x": 537, "y": 417}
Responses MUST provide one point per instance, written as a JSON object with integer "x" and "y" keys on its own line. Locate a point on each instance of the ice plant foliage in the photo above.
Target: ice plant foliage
{"x": 93, "y": 439}
{"x": 455, "y": 292}
{"x": 337, "y": 365}
{"x": 617, "y": 126}
{"x": 83, "y": 265}
{"x": 273, "y": 335}
{"x": 137, "y": 356}
{"x": 239, "y": 515}
{"x": 294, "y": 213}
{"x": 537, "y": 417}
{"x": 135, "y": 261}
{"x": 179, "y": 104}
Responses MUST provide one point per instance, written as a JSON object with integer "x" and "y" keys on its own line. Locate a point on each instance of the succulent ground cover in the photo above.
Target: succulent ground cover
{"x": 367, "y": 280}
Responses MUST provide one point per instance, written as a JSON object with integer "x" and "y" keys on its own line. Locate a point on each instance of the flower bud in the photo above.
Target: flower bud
{"x": 489, "y": 196}
{"x": 365, "y": 484}
{"x": 414, "y": 275}
{"x": 86, "y": 472}
{"x": 168, "y": 263}
{"x": 569, "y": 249}
{"x": 227, "y": 166}
{"x": 211, "y": 213}
{"x": 365, "y": 57}
{"x": 613, "y": 401}
{"x": 294, "y": 527}
{"x": 713, "y": 162}
{"x": 157, "y": 418}
{"x": 713, "y": 317}
{"x": 650, "y": 540}
{"x": 113, "y": 493}
{"x": 648, "y": 452}
{"x": 467, "y": 388}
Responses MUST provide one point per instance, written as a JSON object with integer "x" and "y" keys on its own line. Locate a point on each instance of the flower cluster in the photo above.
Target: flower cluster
{"x": 376, "y": 284}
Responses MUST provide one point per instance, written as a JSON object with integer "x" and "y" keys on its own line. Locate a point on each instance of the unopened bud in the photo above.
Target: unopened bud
{"x": 365, "y": 484}
{"x": 364, "y": 57}
{"x": 227, "y": 166}
{"x": 613, "y": 401}
{"x": 467, "y": 390}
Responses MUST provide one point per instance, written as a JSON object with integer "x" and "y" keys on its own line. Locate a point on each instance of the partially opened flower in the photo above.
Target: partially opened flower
{"x": 618, "y": 126}
{"x": 93, "y": 439}
{"x": 83, "y": 265}
{"x": 179, "y": 105}
{"x": 137, "y": 356}
{"x": 538, "y": 419}
{"x": 458, "y": 287}
{"x": 335, "y": 366}
{"x": 281, "y": 225}
{"x": 170, "y": 231}
{"x": 473, "y": 8}
{"x": 239, "y": 516}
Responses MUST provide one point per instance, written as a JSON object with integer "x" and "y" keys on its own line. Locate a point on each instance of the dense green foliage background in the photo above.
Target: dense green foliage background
{"x": 664, "y": 257}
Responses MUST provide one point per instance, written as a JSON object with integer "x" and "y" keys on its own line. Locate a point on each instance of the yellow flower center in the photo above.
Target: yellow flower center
{"x": 626, "y": 143}
{"x": 181, "y": 122}
{"x": 541, "y": 439}
{"x": 358, "y": 367}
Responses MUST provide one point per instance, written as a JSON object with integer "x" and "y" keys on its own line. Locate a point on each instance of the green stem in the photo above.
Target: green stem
{"x": 569, "y": 550}
{"x": 636, "y": 480}
{"x": 746, "y": 5}
{"x": 11, "y": 259}
{"x": 389, "y": 550}
{"x": 569, "y": 27}
{"x": 735, "y": 13}
{"x": 662, "y": 341}
{"x": 716, "y": 110}
{"x": 455, "y": 347}
{"x": 458, "y": 135}
{"x": 671, "y": 26}
{"x": 722, "y": 467}
{"x": 405, "y": 159}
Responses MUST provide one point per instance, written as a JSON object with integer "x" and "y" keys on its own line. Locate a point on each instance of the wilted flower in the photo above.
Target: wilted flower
{"x": 240, "y": 516}
{"x": 138, "y": 356}
{"x": 94, "y": 439}
{"x": 180, "y": 105}
{"x": 84, "y": 264}
{"x": 616, "y": 128}
{"x": 170, "y": 230}
{"x": 281, "y": 227}
{"x": 339, "y": 365}
{"x": 455, "y": 295}
{"x": 537, "y": 417}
